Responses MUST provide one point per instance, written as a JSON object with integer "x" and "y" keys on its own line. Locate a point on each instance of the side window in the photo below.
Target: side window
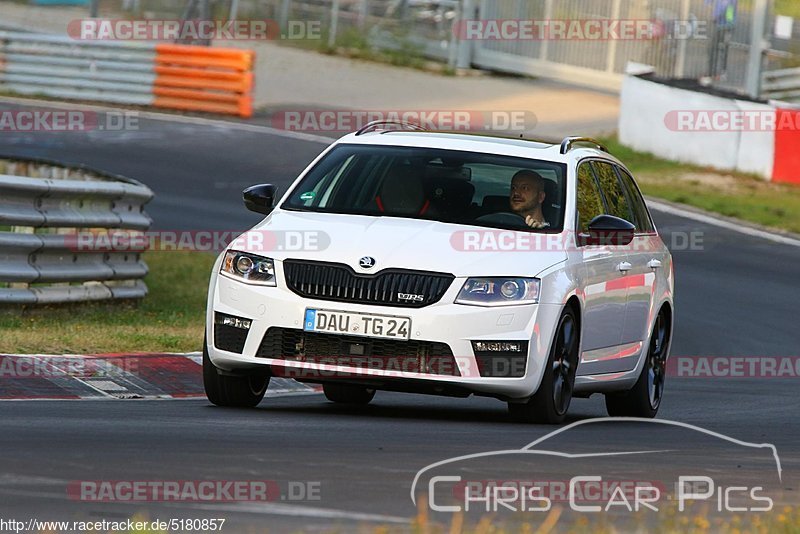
{"x": 612, "y": 191}
{"x": 590, "y": 204}
{"x": 643, "y": 222}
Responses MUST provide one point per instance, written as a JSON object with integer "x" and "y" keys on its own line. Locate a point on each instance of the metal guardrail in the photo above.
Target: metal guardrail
{"x": 58, "y": 66}
{"x": 43, "y": 207}
{"x": 782, "y": 84}
{"x": 194, "y": 78}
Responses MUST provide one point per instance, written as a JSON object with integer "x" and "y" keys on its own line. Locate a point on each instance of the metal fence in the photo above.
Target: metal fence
{"x": 694, "y": 39}
{"x": 686, "y": 42}
{"x": 413, "y": 26}
{"x": 46, "y": 210}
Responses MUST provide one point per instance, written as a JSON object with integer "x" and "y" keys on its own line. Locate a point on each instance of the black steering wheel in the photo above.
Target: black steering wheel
{"x": 503, "y": 217}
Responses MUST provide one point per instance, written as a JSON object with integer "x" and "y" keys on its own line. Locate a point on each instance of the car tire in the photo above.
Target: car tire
{"x": 241, "y": 391}
{"x": 347, "y": 393}
{"x": 550, "y": 403}
{"x": 644, "y": 399}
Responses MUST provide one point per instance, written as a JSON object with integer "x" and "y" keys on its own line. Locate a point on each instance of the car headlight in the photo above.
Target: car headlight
{"x": 249, "y": 268}
{"x": 499, "y": 291}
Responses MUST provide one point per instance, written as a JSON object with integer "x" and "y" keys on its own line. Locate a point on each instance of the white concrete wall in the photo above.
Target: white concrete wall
{"x": 757, "y": 148}
{"x": 652, "y": 119}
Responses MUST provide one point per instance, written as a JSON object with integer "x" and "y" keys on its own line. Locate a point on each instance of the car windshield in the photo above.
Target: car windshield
{"x": 434, "y": 184}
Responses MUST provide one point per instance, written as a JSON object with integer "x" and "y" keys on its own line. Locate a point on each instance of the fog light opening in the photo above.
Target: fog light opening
{"x": 497, "y": 346}
{"x": 234, "y": 322}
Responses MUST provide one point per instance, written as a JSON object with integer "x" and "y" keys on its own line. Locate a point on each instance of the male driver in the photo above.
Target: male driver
{"x": 527, "y": 195}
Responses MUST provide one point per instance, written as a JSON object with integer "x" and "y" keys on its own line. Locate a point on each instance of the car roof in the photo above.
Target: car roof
{"x": 469, "y": 142}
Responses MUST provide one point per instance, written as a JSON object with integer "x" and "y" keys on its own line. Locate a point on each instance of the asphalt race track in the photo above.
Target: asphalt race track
{"x": 737, "y": 296}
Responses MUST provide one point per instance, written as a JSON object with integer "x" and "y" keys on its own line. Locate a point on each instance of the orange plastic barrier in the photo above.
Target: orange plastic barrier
{"x": 200, "y": 78}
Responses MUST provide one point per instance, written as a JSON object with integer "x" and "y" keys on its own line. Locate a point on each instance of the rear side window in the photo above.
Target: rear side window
{"x": 643, "y": 222}
{"x": 612, "y": 190}
{"x": 590, "y": 204}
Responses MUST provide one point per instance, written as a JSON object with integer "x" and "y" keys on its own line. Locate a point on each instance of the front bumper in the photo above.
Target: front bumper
{"x": 443, "y": 322}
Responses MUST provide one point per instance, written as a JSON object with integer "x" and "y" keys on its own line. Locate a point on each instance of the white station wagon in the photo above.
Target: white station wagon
{"x": 448, "y": 264}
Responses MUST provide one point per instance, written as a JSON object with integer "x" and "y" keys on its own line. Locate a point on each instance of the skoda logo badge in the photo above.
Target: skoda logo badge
{"x": 366, "y": 262}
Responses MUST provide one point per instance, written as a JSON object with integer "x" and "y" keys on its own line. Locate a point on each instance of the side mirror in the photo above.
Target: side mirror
{"x": 608, "y": 230}
{"x": 260, "y": 198}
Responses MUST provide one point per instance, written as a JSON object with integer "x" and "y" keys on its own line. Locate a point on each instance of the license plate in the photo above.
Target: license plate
{"x": 357, "y": 324}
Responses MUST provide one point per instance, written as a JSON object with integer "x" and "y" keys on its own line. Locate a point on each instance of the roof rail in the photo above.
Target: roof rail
{"x": 375, "y": 125}
{"x": 566, "y": 144}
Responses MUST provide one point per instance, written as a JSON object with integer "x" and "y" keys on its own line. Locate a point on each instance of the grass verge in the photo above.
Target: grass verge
{"x": 697, "y": 520}
{"x": 785, "y": 520}
{"x": 169, "y": 319}
{"x": 734, "y": 195}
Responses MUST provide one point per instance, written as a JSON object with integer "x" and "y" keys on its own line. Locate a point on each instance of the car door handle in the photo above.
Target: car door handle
{"x": 624, "y": 266}
{"x": 654, "y": 264}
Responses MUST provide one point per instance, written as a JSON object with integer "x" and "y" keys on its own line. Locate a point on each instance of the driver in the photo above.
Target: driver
{"x": 527, "y": 195}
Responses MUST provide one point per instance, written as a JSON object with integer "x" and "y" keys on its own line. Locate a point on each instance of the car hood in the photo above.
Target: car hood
{"x": 397, "y": 243}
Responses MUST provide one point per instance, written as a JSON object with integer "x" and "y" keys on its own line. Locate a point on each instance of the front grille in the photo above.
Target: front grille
{"x": 339, "y": 282}
{"x": 411, "y": 356}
